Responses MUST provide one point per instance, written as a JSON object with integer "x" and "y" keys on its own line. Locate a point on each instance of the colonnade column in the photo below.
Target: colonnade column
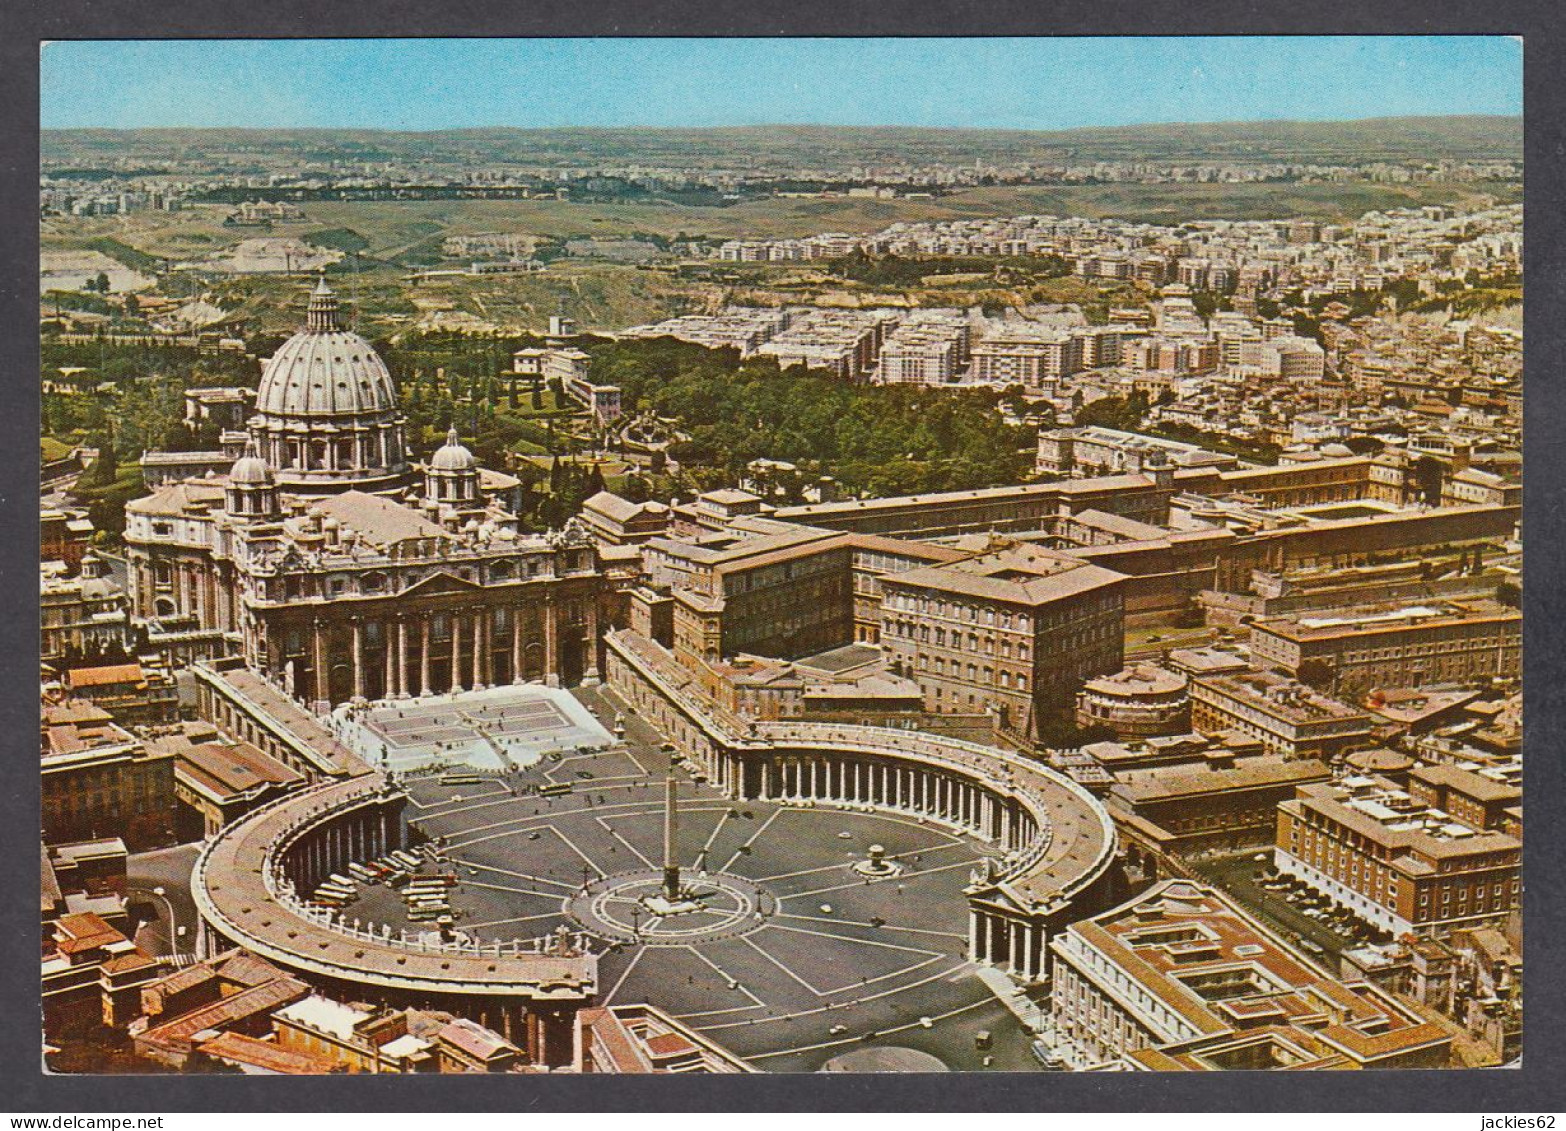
{"x": 388, "y": 662}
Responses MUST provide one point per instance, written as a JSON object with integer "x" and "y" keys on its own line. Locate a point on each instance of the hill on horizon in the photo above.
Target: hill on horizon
{"x": 1399, "y": 139}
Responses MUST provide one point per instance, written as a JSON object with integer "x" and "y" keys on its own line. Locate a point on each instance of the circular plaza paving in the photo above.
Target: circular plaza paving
{"x": 777, "y": 944}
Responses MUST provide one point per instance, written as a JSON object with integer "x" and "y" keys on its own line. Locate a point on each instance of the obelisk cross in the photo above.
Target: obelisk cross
{"x": 671, "y": 823}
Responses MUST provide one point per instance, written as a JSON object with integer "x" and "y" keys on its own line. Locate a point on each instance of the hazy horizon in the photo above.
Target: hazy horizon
{"x": 1040, "y": 85}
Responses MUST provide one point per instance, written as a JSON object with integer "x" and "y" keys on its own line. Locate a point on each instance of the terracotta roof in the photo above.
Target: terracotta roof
{"x": 108, "y": 674}
{"x": 1186, "y": 779}
{"x": 264, "y": 998}
{"x": 1019, "y": 576}
{"x": 265, "y": 1055}
{"x": 84, "y": 931}
{"x": 379, "y": 521}
{"x": 474, "y": 1039}
{"x": 136, "y": 960}
{"x": 227, "y": 770}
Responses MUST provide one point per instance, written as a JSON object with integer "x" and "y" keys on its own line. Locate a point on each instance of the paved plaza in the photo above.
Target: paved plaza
{"x": 789, "y": 955}
{"x": 497, "y": 729}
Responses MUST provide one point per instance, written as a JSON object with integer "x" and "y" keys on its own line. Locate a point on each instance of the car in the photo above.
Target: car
{"x": 1045, "y": 1055}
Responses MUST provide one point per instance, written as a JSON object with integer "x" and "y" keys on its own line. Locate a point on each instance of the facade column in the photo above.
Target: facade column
{"x": 358, "y": 659}
{"x": 478, "y": 649}
{"x": 487, "y": 618}
{"x": 590, "y": 646}
{"x": 424, "y": 655}
{"x": 323, "y": 689}
{"x": 456, "y": 651}
{"x": 402, "y": 657}
{"x": 551, "y": 644}
{"x": 516, "y": 644}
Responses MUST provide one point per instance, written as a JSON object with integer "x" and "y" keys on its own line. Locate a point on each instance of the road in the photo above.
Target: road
{"x": 169, "y": 869}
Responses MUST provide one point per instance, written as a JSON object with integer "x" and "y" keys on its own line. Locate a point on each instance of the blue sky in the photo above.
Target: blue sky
{"x": 995, "y": 83}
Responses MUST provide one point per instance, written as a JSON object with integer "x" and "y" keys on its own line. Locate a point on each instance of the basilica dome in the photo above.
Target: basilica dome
{"x": 326, "y": 415}
{"x": 325, "y": 370}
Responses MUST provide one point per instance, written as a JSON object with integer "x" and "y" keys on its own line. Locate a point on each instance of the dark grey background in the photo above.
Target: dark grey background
{"x": 1538, "y": 1087}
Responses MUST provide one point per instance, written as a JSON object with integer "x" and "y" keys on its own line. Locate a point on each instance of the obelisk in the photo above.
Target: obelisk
{"x": 671, "y": 824}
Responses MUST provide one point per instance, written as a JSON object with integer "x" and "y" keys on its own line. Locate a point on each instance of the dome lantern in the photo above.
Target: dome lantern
{"x": 322, "y": 315}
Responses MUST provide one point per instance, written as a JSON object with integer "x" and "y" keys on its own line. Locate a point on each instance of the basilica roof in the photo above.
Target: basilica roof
{"x": 377, "y": 520}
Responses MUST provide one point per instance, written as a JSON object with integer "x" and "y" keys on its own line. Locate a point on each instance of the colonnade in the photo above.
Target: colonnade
{"x": 903, "y": 787}
{"x": 358, "y": 835}
{"x": 1015, "y": 945}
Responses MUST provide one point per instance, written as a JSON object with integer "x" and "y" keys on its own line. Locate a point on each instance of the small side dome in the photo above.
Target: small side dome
{"x": 250, "y": 470}
{"x": 453, "y": 457}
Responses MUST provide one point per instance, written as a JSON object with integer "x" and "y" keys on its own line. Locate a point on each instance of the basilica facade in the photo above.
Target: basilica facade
{"x": 340, "y": 569}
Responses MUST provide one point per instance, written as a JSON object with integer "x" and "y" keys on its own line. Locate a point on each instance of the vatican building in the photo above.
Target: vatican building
{"x": 341, "y": 568}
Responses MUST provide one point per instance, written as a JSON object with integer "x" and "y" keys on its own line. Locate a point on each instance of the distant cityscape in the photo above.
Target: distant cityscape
{"x": 1000, "y": 641}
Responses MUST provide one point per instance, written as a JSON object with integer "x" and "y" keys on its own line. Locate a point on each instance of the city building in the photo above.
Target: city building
{"x": 101, "y": 780}
{"x": 83, "y": 877}
{"x": 1286, "y": 716}
{"x": 1182, "y": 979}
{"x": 1138, "y": 701}
{"x": 135, "y": 693}
{"x": 1373, "y": 647}
{"x": 1396, "y": 861}
{"x": 1093, "y": 450}
{"x": 92, "y": 975}
{"x": 82, "y": 616}
{"x": 230, "y": 992}
{"x": 1019, "y": 630}
{"x": 63, "y": 535}
{"x": 1213, "y": 799}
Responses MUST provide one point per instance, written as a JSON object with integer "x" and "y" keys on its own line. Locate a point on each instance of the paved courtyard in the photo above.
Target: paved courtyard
{"x": 496, "y": 729}
{"x": 788, "y": 954}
